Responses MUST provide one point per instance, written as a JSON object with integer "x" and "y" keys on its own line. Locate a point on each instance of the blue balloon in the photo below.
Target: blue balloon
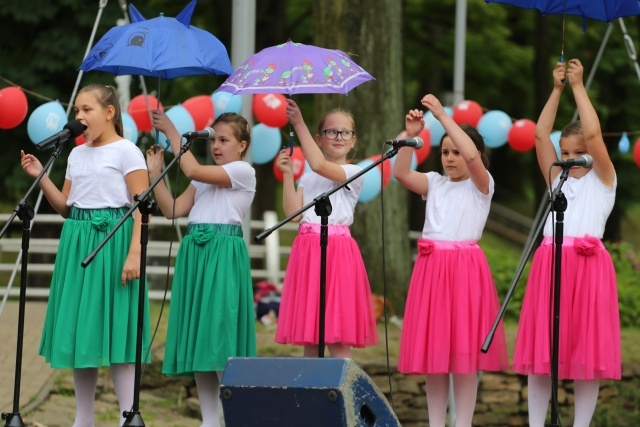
{"x": 372, "y": 182}
{"x": 624, "y": 143}
{"x": 494, "y": 127}
{"x": 435, "y": 128}
{"x": 130, "y": 128}
{"x": 414, "y": 165}
{"x": 555, "y": 140}
{"x": 183, "y": 122}
{"x": 224, "y": 102}
{"x": 265, "y": 143}
{"x": 45, "y": 121}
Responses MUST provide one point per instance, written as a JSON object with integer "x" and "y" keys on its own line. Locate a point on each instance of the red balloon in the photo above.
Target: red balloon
{"x": 467, "y": 112}
{"x": 13, "y": 107}
{"x": 636, "y": 152}
{"x": 297, "y": 158}
{"x": 522, "y": 135}
{"x": 384, "y": 168}
{"x": 201, "y": 109}
{"x": 423, "y": 153}
{"x": 80, "y": 139}
{"x": 270, "y": 109}
{"x": 139, "y": 112}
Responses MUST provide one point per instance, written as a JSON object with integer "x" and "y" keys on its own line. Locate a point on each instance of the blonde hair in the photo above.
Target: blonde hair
{"x": 336, "y": 111}
{"x": 240, "y": 128}
{"x": 106, "y": 96}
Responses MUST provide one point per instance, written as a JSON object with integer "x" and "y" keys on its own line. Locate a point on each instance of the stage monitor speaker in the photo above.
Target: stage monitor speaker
{"x": 307, "y": 392}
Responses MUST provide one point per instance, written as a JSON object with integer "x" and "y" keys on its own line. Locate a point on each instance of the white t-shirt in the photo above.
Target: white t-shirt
{"x": 455, "y": 211}
{"x": 97, "y": 174}
{"x": 343, "y": 201}
{"x": 589, "y": 203}
{"x": 225, "y": 205}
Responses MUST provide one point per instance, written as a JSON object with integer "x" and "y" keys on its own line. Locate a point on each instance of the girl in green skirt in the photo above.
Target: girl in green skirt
{"x": 91, "y": 317}
{"x": 212, "y": 314}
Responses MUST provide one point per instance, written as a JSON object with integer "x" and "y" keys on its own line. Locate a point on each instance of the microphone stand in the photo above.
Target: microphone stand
{"x": 558, "y": 203}
{"x": 147, "y": 206}
{"x": 26, "y": 213}
{"x": 323, "y": 210}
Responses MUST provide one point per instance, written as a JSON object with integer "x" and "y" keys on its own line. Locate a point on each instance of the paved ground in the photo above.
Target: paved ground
{"x": 36, "y": 374}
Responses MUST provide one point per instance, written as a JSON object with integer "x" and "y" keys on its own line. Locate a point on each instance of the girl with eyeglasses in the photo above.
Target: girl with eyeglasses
{"x": 452, "y": 300}
{"x": 350, "y": 321}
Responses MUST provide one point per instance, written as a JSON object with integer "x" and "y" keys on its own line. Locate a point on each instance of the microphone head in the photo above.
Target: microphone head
{"x": 588, "y": 160}
{"x": 211, "y": 132}
{"x": 419, "y": 142}
{"x": 75, "y": 128}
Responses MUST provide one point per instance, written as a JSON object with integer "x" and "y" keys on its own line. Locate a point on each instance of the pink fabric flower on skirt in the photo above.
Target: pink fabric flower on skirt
{"x": 587, "y": 246}
{"x": 425, "y": 247}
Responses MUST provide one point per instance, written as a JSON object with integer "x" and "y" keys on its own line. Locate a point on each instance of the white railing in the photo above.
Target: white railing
{"x": 268, "y": 251}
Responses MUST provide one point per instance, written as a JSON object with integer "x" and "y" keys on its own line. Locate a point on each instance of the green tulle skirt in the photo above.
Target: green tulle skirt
{"x": 91, "y": 318}
{"x": 211, "y": 315}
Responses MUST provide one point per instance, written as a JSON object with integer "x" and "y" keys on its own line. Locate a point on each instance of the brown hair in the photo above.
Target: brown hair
{"x": 240, "y": 128}
{"x": 106, "y": 96}
{"x": 573, "y": 128}
{"x": 477, "y": 139}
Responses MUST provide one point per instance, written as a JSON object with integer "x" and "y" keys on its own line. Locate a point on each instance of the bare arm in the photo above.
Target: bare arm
{"x": 183, "y": 203}
{"x": 56, "y": 198}
{"x": 413, "y": 180}
{"x": 545, "y": 151}
{"x": 312, "y": 153}
{"x": 291, "y": 197}
{"x": 463, "y": 143}
{"x": 602, "y": 164}
{"x": 137, "y": 182}
{"x": 192, "y": 169}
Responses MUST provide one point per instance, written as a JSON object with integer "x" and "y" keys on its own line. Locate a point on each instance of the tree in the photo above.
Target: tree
{"x": 357, "y": 27}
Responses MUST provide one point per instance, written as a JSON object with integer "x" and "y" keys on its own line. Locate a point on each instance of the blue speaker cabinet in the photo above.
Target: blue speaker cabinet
{"x": 307, "y": 392}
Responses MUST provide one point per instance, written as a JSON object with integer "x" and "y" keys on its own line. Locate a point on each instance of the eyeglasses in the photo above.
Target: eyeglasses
{"x": 332, "y": 134}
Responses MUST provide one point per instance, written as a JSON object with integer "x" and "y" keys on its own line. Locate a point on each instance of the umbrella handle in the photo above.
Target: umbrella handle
{"x": 565, "y": 81}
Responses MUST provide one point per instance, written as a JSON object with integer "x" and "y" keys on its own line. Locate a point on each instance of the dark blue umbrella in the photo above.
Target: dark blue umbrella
{"x": 600, "y": 10}
{"x": 161, "y": 47}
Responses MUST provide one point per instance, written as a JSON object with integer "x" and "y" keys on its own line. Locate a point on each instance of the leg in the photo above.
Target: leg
{"x": 208, "y": 384}
{"x": 437, "y": 386}
{"x": 311, "y": 350}
{"x": 123, "y": 376}
{"x": 339, "y": 351}
{"x": 539, "y": 395}
{"x": 465, "y": 389}
{"x": 85, "y": 382}
{"x": 586, "y": 397}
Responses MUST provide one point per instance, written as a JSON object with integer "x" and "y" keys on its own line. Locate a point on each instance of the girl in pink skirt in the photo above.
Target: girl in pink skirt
{"x": 349, "y": 318}
{"x": 452, "y": 301}
{"x": 589, "y": 319}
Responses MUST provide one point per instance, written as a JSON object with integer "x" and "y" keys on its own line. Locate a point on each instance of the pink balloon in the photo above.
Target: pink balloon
{"x": 13, "y": 107}
{"x": 467, "y": 112}
{"x": 522, "y": 135}
{"x": 270, "y": 109}
{"x": 201, "y": 109}
{"x": 138, "y": 111}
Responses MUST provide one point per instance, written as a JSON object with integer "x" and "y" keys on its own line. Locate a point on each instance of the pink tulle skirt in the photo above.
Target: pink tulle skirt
{"x": 349, "y": 317}
{"x": 451, "y": 306}
{"x": 589, "y": 317}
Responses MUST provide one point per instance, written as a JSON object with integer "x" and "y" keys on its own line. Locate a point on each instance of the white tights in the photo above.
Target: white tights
{"x": 585, "y": 396}
{"x": 208, "y": 384}
{"x": 465, "y": 388}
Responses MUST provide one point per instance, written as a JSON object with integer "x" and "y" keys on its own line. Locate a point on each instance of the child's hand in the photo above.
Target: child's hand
{"x": 284, "y": 162}
{"x": 414, "y": 123}
{"x": 30, "y": 164}
{"x": 293, "y": 112}
{"x": 155, "y": 158}
{"x": 559, "y": 75}
{"x": 434, "y": 105}
{"x": 575, "y": 72}
{"x": 161, "y": 122}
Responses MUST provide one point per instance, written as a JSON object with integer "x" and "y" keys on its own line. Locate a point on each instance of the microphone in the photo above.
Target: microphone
{"x": 416, "y": 142}
{"x": 584, "y": 161}
{"x": 207, "y": 133}
{"x": 71, "y": 130}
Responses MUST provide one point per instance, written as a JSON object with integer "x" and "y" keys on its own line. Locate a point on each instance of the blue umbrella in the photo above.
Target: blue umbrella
{"x": 600, "y": 10}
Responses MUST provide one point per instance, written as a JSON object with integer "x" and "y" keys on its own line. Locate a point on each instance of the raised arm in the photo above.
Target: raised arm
{"x": 312, "y": 153}
{"x": 413, "y": 180}
{"x": 463, "y": 143}
{"x": 183, "y": 203}
{"x": 192, "y": 169}
{"x": 291, "y": 197}
{"x": 545, "y": 151}
{"x": 590, "y": 123}
{"x": 56, "y": 198}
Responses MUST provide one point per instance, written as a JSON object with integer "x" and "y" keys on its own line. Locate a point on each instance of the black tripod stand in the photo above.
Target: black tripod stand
{"x": 558, "y": 203}
{"x": 147, "y": 206}
{"x": 323, "y": 209}
{"x": 26, "y": 213}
